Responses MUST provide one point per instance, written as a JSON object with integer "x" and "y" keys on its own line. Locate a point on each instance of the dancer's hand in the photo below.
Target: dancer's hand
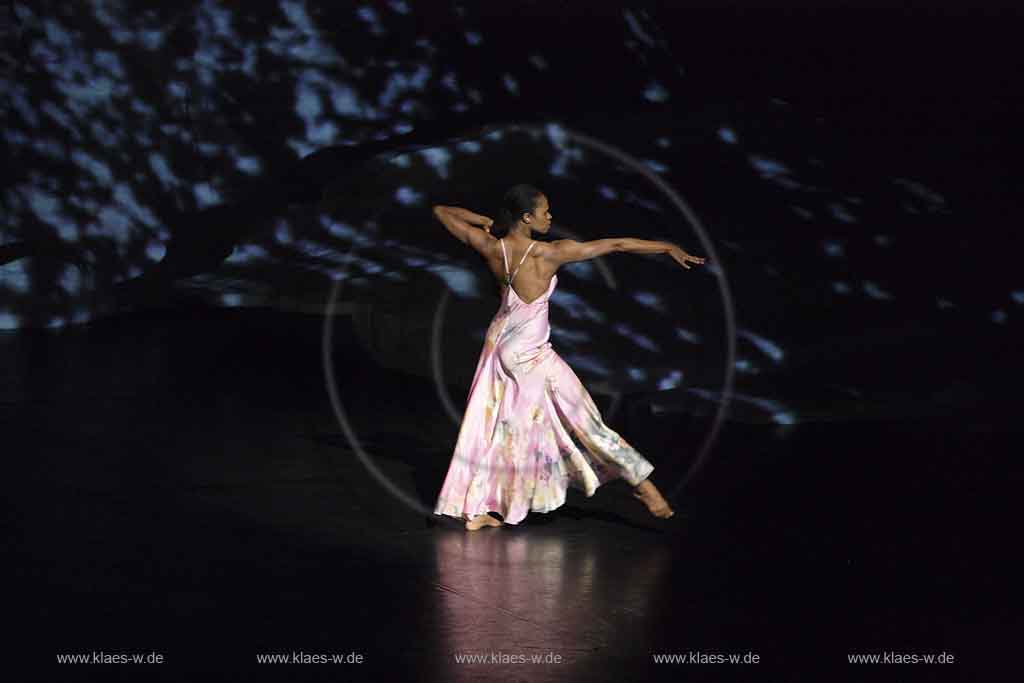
{"x": 486, "y": 225}
{"x": 682, "y": 257}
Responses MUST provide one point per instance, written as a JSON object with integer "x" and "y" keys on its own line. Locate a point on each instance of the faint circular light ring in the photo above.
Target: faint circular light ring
{"x": 705, "y": 447}
{"x": 717, "y": 269}
{"x": 339, "y": 410}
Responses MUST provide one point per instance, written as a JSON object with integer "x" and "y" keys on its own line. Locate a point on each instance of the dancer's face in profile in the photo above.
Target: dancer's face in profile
{"x": 540, "y": 219}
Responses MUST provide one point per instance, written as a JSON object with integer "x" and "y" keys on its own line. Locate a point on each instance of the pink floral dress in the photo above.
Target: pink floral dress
{"x": 515, "y": 452}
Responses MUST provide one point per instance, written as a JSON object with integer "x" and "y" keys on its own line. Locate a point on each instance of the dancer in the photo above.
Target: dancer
{"x": 515, "y": 453}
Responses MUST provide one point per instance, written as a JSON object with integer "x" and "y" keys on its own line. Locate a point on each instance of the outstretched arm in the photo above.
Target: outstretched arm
{"x": 467, "y": 227}
{"x": 650, "y": 247}
{"x": 567, "y": 251}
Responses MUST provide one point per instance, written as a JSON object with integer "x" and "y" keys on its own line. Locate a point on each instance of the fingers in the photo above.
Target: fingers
{"x": 683, "y": 259}
{"x": 689, "y": 257}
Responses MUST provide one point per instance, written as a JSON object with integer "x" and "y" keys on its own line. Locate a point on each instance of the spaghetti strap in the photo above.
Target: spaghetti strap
{"x": 513, "y": 276}
{"x": 504, "y": 257}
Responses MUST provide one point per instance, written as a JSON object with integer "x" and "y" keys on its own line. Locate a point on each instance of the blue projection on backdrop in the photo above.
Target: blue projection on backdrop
{"x": 122, "y": 133}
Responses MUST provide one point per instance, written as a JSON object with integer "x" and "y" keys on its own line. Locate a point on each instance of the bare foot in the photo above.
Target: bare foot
{"x": 480, "y": 521}
{"x": 651, "y": 497}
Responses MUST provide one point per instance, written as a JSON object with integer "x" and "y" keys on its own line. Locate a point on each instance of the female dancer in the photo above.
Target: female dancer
{"x": 514, "y": 452}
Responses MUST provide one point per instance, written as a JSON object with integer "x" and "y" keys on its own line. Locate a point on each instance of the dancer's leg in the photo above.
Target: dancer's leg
{"x": 611, "y": 454}
{"x": 649, "y": 494}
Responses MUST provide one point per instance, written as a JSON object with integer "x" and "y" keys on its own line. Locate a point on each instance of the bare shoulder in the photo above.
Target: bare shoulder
{"x": 568, "y": 251}
{"x": 483, "y": 242}
{"x": 551, "y": 250}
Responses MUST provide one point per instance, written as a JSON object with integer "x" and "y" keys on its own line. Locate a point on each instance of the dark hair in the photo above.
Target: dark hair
{"x": 518, "y": 200}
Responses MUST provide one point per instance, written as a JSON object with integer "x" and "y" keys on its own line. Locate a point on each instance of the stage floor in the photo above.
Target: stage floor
{"x": 180, "y": 484}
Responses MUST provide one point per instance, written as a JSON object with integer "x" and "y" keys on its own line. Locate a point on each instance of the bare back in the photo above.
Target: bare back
{"x": 532, "y": 273}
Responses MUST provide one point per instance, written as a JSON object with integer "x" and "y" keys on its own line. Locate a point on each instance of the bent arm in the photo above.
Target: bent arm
{"x": 460, "y": 223}
{"x": 463, "y": 214}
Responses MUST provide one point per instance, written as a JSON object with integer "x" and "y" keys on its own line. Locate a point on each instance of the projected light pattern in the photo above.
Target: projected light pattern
{"x": 762, "y": 344}
{"x": 650, "y": 300}
{"x": 130, "y": 138}
{"x": 779, "y": 413}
